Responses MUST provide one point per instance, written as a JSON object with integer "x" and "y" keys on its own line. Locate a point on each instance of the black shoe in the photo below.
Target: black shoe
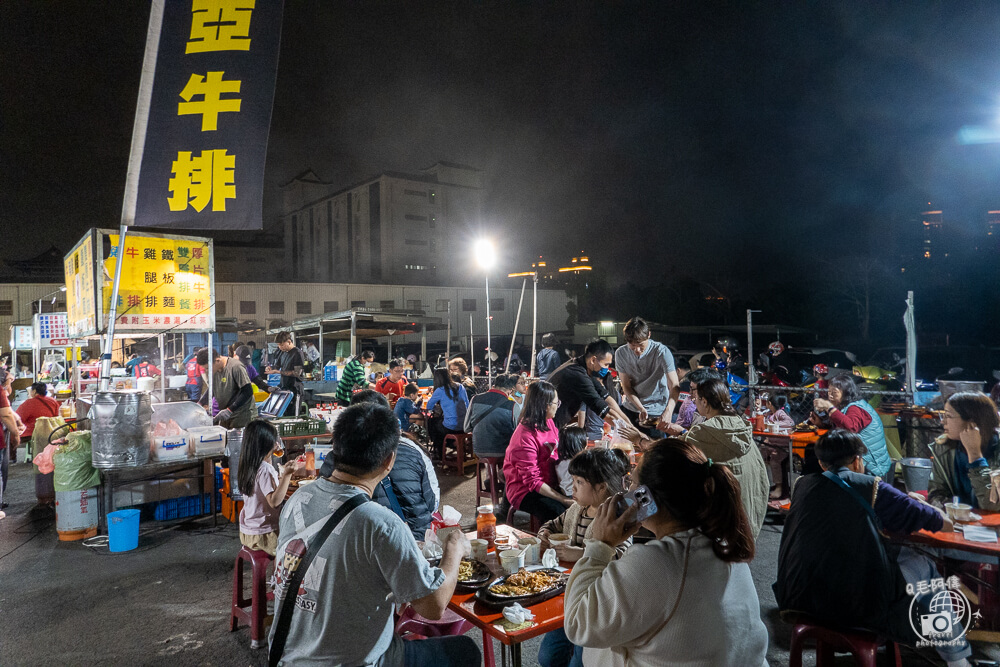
{"x": 4, "y": 506}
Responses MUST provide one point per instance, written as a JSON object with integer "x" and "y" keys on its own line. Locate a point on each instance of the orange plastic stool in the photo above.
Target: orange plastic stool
{"x": 463, "y": 458}
{"x": 259, "y": 560}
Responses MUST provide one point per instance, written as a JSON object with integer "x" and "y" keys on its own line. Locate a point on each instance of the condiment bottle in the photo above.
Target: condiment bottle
{"x": 486, "y": 525}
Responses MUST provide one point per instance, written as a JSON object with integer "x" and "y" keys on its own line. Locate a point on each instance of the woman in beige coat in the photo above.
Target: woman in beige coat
{"x": 686, "y": 597}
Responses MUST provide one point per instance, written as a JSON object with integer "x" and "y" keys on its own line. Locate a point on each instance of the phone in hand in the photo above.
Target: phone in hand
{"x": 642, "y": 497}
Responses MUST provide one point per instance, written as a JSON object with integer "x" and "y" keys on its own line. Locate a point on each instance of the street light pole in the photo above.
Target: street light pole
{"x": 489, "y": 349}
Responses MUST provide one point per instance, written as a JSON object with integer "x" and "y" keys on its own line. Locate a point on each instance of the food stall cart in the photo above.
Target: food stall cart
{"x": 167, "y": 285}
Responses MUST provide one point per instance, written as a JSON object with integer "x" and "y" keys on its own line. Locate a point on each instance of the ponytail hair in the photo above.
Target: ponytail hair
{"x": 699, "y": 493}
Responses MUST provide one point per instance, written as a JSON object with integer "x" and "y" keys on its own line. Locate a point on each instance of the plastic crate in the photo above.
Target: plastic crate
{"x": 311, "y": 426}
{"x": 182, "y": 508}
{"x": 286, "y": 427}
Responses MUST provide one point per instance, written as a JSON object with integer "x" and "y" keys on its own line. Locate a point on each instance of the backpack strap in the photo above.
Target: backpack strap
{"x": 283, "y": 617}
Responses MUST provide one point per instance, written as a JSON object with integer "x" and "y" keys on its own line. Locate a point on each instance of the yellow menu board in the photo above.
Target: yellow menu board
{"x": 81, "y": 299}
{"x": 167, "y": 283}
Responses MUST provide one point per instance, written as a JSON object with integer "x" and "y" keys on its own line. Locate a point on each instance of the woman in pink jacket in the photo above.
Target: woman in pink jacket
{"x": 530, "y": 462}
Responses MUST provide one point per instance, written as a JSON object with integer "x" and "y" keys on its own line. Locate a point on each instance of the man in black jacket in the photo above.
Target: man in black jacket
{"x": 411, "y": 490}
{"x": 490, "y": 418}
{"x": 578, "y": 383}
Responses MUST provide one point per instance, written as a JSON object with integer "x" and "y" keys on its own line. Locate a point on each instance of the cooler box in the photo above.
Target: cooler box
{"x": 169, "y": 447}
{"x": 330, "y": 373}
{"x": 207, "y": 440}
{"x": 273, "y": 379}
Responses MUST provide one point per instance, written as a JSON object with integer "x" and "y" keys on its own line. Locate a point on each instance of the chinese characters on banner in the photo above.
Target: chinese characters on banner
{"x": 81, "y": 305}
{"x": 206, "y": 138}
{"x": 166, "y": 284}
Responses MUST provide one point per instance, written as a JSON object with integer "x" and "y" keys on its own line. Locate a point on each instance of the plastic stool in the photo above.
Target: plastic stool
{"x": 412, "y": 625}
{"x": 492, "y": 464}
{"x": 259, "y": 560}
{"x": 860, "y": 643}
{"x": 534, "y": 525}
{"x": 462, "y": 442}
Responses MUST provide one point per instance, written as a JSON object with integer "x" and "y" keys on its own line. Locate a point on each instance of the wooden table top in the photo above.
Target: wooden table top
{"x": 548, "y": 614}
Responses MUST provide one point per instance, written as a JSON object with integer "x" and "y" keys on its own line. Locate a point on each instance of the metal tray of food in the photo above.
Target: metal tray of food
{"x": 472, "y": 575}
{"x": 527, "y": 587}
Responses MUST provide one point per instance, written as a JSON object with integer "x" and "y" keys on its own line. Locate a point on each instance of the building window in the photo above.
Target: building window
{"x": 414, "y": 304}
{"x": 248, "y": 307}
{"x": 276, "y": 307}
{"x": 413, "y": 242}
{"x": 497, "y": 303}
{"x": 358, "y": 304}
{"x": 417, "y": 218}
{"x": 387, "y": 305}
{"x": 441, "y": 305}
{"x": 416, "y": 193}
{"x": 6, "y": 307}
{"x": 303, "y": 308}
{"x": 468, "y": 305}
{"x": 220, "y": 308}
{"x": 331, "y": 306}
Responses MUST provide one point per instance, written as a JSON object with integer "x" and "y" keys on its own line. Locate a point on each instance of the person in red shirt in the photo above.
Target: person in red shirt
{"x": 39, "y": 404}
{"x": 145, "y": 369}
{"x": 10, "y": 431}
{"x": 393, "y": 384}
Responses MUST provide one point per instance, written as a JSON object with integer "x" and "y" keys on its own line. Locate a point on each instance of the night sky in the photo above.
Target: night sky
{"x": 656, "y": 136}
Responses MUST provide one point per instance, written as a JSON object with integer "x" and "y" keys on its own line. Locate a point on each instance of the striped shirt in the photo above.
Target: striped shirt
{"x": 354, "y": 376}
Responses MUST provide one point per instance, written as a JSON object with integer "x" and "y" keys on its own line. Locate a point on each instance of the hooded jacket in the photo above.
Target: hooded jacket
{"x": 728, "y": 439}
{"x": 415, "y": 490}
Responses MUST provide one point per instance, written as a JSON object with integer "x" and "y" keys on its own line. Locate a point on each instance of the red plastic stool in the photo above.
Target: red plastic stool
{"x": 534, "y": 525}
{"x": 861, "y": 643}
{"x": 492, "y": 464}
{"x": 259, "y": 560}
{"x": 412, "y": 625}
{"x": 462, "y": 442}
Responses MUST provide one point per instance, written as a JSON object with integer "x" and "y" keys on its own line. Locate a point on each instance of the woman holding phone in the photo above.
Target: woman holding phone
{"x": 686, "y": 597}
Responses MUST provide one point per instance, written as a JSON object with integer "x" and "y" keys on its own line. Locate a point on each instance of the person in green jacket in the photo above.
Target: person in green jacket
{"x": 967, "y": 453}
{"x": 354, "y": 377}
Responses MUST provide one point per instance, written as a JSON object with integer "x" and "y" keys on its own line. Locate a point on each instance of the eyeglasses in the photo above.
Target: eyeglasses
{"x": 556, "y": 403}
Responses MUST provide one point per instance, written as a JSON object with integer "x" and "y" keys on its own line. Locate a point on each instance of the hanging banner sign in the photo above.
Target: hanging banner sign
{"x": 206, "y": 138}
{"x": 79, "y": 267}
{"x": 167, "y": 284}
{"x": 21, "y": 337}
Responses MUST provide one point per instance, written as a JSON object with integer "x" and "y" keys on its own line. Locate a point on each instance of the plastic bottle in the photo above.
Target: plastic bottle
{"x": 486, "y": 525}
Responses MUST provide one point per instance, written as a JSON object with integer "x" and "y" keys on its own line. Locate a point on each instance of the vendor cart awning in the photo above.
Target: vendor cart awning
{"x": 369, "y": 323}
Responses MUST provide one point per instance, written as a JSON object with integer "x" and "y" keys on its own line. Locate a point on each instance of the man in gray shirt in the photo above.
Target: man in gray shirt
{"x": 650, "y": 386}
{"x": 344, "y": 607}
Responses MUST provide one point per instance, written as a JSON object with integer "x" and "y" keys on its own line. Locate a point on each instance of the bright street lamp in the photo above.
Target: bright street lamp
{"x": 486, "y": 257}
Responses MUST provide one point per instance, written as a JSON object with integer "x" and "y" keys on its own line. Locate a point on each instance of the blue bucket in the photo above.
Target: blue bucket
{"x": 123, "y": 530}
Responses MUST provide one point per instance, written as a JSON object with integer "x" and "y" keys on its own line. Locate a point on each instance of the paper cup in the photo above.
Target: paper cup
{"x": 511, "y": 560}
{"x": 479, "y": 548}
{"x": 555, "y": 539}
{"x": 959, "y": 512}
{"x": 532, "y": 547}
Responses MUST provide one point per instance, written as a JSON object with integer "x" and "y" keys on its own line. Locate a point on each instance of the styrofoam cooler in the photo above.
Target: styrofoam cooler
{"x": 207, "y": 440}
{"x": 76, "y": 514}
{"x": 169, "y": 447}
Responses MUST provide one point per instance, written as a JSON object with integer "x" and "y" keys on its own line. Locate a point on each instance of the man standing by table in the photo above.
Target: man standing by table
{"x": 355, "y": 376}
{"x": 233, "y": 389}
{"x": 577, "y": 386}
{"x": 289, "y": 365}
{"x": 650, "y": 386}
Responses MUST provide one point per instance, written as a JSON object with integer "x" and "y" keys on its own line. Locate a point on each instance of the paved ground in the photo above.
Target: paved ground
{"x": 167, "y": 603}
